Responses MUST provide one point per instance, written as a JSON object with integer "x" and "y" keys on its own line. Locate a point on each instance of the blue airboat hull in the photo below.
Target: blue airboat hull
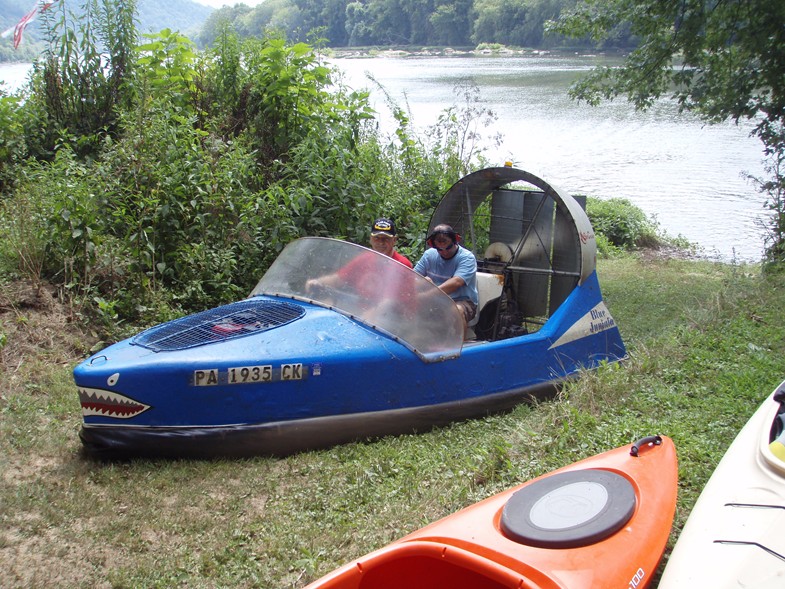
{"x": 339, "y": 343}
{"x": 321, "y": 378}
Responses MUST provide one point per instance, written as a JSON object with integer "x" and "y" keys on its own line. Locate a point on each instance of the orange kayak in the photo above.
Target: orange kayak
{"x": 600, "y": 522}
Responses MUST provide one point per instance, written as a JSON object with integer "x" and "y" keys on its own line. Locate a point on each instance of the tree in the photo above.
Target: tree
{"x": 390, "y": 24}
{"x": 500, "y": 21}
{"x": 326, "y": 15}
{"x": 451, "y": 23}
{"x": 723, "y": 59}
{"x": 219, "y": 19}
{"x": 358, "y": 31}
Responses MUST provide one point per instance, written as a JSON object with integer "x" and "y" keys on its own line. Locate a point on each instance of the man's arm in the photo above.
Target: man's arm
{"x": 452, "y": 284}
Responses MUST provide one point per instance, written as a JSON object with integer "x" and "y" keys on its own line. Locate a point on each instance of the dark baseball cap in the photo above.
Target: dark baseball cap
{"x": 383, "y": 226}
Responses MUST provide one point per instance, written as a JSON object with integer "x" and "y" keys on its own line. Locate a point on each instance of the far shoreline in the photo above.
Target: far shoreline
{"x": 484, "y": 50}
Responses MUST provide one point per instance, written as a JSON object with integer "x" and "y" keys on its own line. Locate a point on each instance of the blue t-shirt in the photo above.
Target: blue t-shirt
{"x": 462, "y": 264}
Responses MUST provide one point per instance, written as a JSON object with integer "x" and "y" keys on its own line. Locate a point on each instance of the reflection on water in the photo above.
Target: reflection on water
{"x": 13, "y": 75}
{"x": 689, "y": 176}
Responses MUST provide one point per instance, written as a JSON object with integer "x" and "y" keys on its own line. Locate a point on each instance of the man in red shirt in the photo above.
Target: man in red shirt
{"x": 365, "y": 274}
{"x": 383, "y": 238}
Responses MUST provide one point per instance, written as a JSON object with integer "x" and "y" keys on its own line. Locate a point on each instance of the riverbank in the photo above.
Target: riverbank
{"x": 484, "y": 50}
{"x": 706, "y": 345}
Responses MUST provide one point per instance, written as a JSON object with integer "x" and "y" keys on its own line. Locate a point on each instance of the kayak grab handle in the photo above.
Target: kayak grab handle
{"x": 647, "y": 441}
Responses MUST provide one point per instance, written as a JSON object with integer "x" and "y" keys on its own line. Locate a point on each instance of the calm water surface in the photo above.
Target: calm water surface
{"x": 690, "y": 177}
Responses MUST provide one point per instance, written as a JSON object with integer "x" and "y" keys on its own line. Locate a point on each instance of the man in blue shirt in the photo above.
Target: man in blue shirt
{"x": 452, "y": 268}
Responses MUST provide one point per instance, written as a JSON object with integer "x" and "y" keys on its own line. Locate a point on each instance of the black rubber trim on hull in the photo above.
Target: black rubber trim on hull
{"x": 284, "y": 438}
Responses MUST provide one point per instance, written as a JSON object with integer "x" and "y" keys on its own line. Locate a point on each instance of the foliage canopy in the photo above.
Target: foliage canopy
{"x": 349, "y": 23}
{"x": 721, "y": 59}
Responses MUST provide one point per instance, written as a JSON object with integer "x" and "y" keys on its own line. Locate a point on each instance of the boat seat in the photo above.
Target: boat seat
{"x": 570, "y": 509}
{"x": 489, "y": 287}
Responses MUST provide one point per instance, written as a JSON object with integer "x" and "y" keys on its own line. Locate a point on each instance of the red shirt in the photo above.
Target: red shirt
{"x": 402, "y": 259}
{"x": 368, "y": 278}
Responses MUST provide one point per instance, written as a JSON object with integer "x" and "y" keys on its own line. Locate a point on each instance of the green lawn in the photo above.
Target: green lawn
{"x": 706, "y": 345}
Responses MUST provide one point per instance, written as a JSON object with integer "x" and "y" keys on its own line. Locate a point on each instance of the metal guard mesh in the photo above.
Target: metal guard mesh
{"x": 218, "y": 325}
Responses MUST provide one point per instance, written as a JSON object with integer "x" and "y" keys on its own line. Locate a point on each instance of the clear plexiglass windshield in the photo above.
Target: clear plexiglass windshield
{"x": 370, "y": 287}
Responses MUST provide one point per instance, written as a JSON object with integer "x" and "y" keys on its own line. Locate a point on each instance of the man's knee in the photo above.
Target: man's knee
{"x": 468, "y": 308}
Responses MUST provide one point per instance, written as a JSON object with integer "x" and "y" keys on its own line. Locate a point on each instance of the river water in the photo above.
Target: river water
{"x": 688, "y": 176}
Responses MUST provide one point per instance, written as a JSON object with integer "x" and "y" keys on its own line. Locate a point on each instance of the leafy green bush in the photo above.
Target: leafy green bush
{"x": 23, "y": 237}
{"x": 180, "y": 187}
{"x": 13, "y": 148}
{"x": 83, "y": 79}
{"x": 774, "y": 189}
{"x": 623, "y": 224}
{"x": 53, "y": 221}
{"x": 605, "y": 249}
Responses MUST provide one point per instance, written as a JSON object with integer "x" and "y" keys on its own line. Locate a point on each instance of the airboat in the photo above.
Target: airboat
{"x": 294, "y": 368}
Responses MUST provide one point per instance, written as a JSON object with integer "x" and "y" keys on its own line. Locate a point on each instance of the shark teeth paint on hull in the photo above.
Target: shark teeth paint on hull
{"x": 108, "y": 404}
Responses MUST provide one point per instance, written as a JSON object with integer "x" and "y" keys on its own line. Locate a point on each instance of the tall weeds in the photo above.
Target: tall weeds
{"x": 164, "y": 177}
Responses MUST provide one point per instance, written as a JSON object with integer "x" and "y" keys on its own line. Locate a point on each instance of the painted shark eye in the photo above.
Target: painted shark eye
{"x": 112, "y": 380}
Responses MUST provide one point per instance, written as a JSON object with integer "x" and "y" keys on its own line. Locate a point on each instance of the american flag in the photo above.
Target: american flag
{"x": 19, "y": 27}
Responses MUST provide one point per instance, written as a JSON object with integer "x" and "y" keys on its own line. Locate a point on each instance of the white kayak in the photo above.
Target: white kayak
{"x": 735, "y": 534}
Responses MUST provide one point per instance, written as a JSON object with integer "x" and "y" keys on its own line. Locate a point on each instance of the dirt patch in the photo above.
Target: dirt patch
{"x": 667, "y": 252}
{"x": 34, "y": 323}
{"x": 33, "y": 560}
{"x": 28, "y": 470}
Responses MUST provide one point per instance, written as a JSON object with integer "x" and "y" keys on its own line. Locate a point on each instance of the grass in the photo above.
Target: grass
{"x": 706, "y": 345}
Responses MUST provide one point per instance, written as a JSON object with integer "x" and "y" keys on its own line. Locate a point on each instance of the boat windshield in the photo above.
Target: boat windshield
{"x": 369, "y": 287}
